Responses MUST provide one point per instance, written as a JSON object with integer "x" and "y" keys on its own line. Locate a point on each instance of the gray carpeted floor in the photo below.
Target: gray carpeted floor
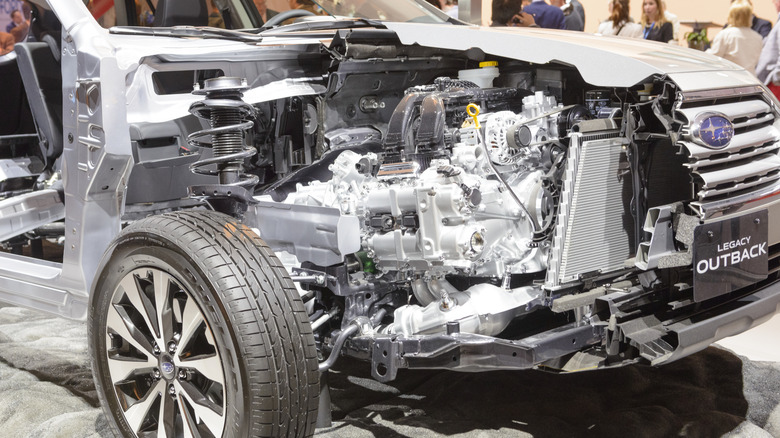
{"x": 46, "y": 391}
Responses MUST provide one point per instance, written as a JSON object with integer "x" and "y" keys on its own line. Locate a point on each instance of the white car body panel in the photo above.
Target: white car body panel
{"x": 602, "y": 60}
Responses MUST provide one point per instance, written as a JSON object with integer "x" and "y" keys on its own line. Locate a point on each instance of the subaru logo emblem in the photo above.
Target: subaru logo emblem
{"x": 713, "y": 130}
{"x": 167, "y": 367}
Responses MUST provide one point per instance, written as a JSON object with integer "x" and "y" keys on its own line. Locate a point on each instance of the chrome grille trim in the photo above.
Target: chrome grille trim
{"x": 735, "y": 111}
{"x": 708, "y": 209}
{"x": 748, "y": 166}
{"x": 696, "y": 96}
{"x": 756, "y": 173}
{"x": 747, "y": 170}
{"x": 766, "y": 118}
{"x": 750, "y": 144}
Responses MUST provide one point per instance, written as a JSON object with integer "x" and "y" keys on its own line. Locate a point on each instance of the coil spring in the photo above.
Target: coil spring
{"x": 229, "y": 116}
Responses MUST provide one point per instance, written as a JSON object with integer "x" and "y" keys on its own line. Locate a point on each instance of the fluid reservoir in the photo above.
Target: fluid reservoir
{"x": 482, "y": 76}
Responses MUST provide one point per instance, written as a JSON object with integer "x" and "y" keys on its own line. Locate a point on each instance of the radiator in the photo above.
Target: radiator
{"x": 593, "y": 233}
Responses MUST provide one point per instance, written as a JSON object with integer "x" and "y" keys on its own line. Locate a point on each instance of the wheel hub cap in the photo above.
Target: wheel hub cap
{"x": 167, "y": 368}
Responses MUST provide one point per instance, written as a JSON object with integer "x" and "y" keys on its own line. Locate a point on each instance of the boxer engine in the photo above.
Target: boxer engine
{"x": 452, "y": 195}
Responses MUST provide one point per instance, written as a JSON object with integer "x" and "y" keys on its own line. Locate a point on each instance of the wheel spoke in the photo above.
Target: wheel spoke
{"x": 204, "y": 409}
{"x": 162, "y": 286}
{"x": 125, "y": 328}
{"x": 141, "y": 302}
{"x": 137, "y": 413}
{"x": 209, "y": 367}
{"x": 166, "y": 418}
{"x": 190, "y": 425}
{"x": 122, "y": 369}
{"x": 191, "y": 322}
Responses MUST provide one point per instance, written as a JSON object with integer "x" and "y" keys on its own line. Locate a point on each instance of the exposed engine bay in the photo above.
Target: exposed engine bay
{"x": 438, "y": 197}
{"x": 414, "y": 191}
{"x": 230, "y": 210}
{"x": 428, "y": 200}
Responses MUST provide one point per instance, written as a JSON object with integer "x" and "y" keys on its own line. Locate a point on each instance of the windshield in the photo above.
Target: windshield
{"x": 385, "y": 10}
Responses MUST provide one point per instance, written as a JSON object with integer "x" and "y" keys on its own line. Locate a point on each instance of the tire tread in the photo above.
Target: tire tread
{"x": 266, "y": 316}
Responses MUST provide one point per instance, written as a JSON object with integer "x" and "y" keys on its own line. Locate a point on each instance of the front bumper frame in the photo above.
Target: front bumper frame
{"x": 676, "y": 338}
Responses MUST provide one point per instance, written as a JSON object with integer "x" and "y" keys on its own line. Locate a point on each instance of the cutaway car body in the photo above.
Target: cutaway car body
{"x": 237, "y": 208}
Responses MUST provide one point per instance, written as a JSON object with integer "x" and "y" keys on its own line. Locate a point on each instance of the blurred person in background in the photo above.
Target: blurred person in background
{"x": 763, "y": 27}
{"x": 572, "y": 19}
{"x": 620, "y": 22}
{"x": 262, "y": 8}
{"x": 503, "y": 11}
{"x": 144, "y": 13}
{"x": 215, "y": 18}
{"x": 654, "y": 24}
{"x": 738, "y": 42}
{"x": 450, "y": 7}
{"x": 546, "y": 15}
{"x": 6, "y": 43}
{"x": 16, "y": 19}
{"x": 578, "y": 8}
{"x": 768, "y": 68}
{"x": 508, "y": 13}
{"x": 305, "y": 4}
{"x": 19, "y": 26}
{"x": 672, "y": 18}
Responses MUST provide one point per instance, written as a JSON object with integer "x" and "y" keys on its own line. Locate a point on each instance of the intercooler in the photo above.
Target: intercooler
{"x": 594, "y": 228}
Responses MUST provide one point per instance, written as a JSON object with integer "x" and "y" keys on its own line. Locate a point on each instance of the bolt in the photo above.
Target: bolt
{"x": 156, "y": 350}
{"x": 172, "y": 347}
{"x": 157, "y": 374}
{"x": 757, "y": 221}
{"x": 182, "y": 375}
{"x": 710, "y": 234}
{"x": 171, "y": 390}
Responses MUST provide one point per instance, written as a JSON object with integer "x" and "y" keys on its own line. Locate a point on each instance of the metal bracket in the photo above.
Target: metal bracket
{"x": 386, "y": 354}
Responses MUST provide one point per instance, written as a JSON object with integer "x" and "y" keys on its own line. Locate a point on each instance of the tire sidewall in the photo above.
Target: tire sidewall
{"x": 139, "y": 250}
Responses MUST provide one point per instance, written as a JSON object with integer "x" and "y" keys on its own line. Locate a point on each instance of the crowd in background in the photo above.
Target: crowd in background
{"x": 747, "y": 40}
{"x": 656, "y": 23}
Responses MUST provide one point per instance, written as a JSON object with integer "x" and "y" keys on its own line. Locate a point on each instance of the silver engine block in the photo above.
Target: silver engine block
{"x": 459, "y": 216}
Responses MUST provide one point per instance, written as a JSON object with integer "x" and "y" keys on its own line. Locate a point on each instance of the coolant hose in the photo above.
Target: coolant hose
{"x": 337, "y": 346}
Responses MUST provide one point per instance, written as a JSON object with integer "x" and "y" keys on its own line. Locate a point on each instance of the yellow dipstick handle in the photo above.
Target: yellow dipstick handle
{"x": 473, "y": 111}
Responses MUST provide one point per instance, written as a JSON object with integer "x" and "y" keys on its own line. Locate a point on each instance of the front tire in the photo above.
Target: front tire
{"x": 196, "y": 330}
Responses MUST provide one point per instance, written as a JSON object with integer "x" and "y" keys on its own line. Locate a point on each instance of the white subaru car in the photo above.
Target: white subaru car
{"x": 233, "y": 204}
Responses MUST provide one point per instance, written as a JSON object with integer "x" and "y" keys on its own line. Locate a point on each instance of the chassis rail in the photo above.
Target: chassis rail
{"x": 471, "y": 352}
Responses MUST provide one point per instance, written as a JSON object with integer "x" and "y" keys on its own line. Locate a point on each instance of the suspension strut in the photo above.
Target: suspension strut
{"x": 229, "y": 117}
